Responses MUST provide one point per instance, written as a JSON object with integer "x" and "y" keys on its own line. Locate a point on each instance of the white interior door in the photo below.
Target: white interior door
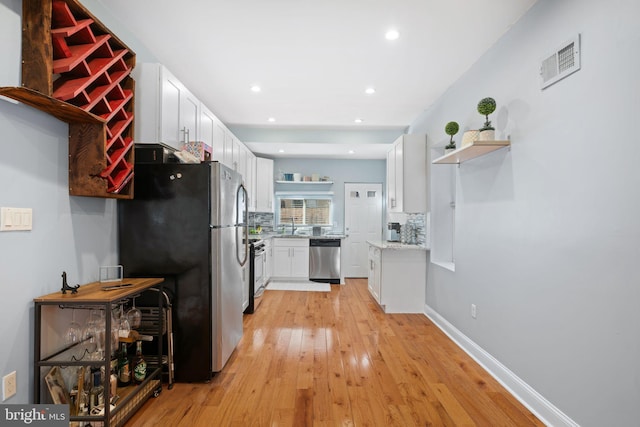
{"x": 362, "y": 221}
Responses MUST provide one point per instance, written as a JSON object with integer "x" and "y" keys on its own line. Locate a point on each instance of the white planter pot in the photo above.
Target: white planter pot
{"x": 469, "y": 137}
{"x": 448, "y": 150}
{"x": 487, "y": 135}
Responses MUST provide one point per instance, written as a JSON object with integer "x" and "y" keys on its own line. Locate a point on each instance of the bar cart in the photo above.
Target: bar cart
{"x": 49, "y": 383}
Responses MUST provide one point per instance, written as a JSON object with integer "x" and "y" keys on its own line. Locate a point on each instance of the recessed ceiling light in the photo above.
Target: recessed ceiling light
{"x": 271, "y": 119}
{"x": 255, "y": 88}
{"x": 281, "y": 150}
{"x": 369, "y": 91}
{"x": 358, "y": 120}
{"x": 392, "y": 35}
{"x": 351, "y": 152}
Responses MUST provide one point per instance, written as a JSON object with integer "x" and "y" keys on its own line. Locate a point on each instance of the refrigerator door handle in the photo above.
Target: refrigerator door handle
{"x": 241, "y": 221}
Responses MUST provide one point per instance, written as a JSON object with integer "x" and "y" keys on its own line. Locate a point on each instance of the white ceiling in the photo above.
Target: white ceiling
{"x": 314, "y": 59}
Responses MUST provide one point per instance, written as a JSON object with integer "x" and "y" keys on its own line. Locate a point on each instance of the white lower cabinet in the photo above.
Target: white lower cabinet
{"x": 374, "y": 272}
{"x": 397, "y": 278}
{"x": 245, "y": 286}
{"x": 290, "y": 258}
{"x": 268, "y": 267}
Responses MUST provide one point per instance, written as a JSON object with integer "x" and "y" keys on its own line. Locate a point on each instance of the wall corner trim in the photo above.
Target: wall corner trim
{"x": 534, "y": 401}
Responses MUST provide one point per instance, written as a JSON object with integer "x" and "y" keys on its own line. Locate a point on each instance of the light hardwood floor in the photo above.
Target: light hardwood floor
{"x": 335, "y": 359}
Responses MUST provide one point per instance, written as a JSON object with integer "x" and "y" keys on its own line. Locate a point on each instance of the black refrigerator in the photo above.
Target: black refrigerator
{"x": 188, "y": 223}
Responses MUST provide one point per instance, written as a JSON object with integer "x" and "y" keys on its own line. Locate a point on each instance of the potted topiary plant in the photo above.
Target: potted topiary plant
{"x": 451, "y": 129}
{"x": 487, "y": 106}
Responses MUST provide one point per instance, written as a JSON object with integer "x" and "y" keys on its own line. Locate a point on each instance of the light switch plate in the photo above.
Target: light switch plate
{"x": 16, "y": 219}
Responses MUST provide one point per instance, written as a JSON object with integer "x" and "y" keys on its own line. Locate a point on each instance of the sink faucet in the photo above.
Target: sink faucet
{"x": 293, "y": 226}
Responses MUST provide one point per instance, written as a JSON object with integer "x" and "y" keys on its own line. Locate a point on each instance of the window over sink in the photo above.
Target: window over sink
{"x": 306, "y": 209}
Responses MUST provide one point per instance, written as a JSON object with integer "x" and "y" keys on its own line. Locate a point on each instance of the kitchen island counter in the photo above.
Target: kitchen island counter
{"x": 383, "y": 244}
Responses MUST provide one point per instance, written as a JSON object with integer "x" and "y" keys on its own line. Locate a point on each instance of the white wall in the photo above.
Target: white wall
{"x": 72, "y": 234}
{"x": 547, "y": 233}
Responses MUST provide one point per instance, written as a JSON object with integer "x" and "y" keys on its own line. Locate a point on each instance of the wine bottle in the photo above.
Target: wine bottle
{"x": 139, "y": 365}
{"x": 96, "y": 394}
{"x": 113, "y": 378}
{"x": 124, "y": 368}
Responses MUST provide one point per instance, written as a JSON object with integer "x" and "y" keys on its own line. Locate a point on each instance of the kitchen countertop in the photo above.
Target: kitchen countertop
{"x": 296, "y": 236}
{"x": 383, "y": 244}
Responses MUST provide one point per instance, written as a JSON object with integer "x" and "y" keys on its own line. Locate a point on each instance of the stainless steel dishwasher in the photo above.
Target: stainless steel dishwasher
{"x": 324, "y": 260}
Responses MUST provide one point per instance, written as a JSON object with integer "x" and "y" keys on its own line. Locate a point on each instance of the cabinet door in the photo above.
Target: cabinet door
{"x": 264, "y": 185}
{"x": 269, "y": 194}
{"x": 239, "y": 157}
{"x": 399, "y": 173}
{"x": 218, "y": 142}
{"x": 245, "y": 287}
{"x": 415, "y": 173}
{"x": 207, "y": 126}
{"x": 300, "y": 262}
{"x": 374, "y": 273}
{"x": 170, "y": 111}
{"x": 189, "y": 112}
{"x": 281, "y": 261}
{"x": 268, "y": 271}
{"x": 391, "y": 180}
{"x": 180, "y": 110}
{"x": 370, "y": 276}
{"x": 250, "y": 182}
{"x": 377, "y": 280}
{"x": 228, "y": 148}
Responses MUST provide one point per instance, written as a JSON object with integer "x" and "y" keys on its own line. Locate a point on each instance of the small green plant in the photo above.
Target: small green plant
{"x": 487, "y": 106}
{"x": 451, "y": 129}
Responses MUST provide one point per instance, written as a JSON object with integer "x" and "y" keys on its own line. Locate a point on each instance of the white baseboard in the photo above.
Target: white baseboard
{"x": 534, "y": 401}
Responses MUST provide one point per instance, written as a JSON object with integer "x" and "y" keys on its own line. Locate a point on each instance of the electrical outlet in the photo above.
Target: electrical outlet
{"x": 474, "y": 311}
{"x": 9, "y": 386}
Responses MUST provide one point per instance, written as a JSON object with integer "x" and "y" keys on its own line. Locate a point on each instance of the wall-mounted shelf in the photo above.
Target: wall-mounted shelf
{"x": 476, "y": 149}
{"x": 305, "y": 182}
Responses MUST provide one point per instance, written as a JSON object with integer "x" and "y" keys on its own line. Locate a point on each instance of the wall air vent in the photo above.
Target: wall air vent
{"x": 561, "y": 63}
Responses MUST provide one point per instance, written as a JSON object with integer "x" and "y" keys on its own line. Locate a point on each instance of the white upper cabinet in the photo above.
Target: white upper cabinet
{"x": 393, "y": 205}
{"x": 239, "y": 157}
{"x": 219, "y": 133}
{"x": 264, "y": 185}
{"x": 228, "y": 148}
{"x": 250, "y": 181}
{"x": 167, "y": 112}
{"x": 165, "y": 109}
{"x": 407, "y": 174}
{"x": 212, "y": 133}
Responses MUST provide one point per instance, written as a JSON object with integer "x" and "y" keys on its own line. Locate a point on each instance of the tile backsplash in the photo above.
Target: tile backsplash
{"x": 414, "y": 227}
{"x": 263, "y": 219}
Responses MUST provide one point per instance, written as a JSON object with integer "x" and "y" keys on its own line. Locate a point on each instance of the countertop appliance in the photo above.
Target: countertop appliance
{"x": 324, "y": 260}
{"x": 393, "y": 232}
{"x": 257, "y": 262}
{"x": 187, "y": 223}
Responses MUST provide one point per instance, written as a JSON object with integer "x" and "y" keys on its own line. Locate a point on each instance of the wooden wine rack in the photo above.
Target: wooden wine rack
{"x": 74, "y": 68}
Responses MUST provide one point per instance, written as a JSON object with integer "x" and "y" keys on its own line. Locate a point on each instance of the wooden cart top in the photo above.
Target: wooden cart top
{"x": 95, "y": 293}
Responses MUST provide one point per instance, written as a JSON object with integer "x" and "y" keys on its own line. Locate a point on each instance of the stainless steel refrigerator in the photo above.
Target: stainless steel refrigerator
{"x": 188, "y": 223}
